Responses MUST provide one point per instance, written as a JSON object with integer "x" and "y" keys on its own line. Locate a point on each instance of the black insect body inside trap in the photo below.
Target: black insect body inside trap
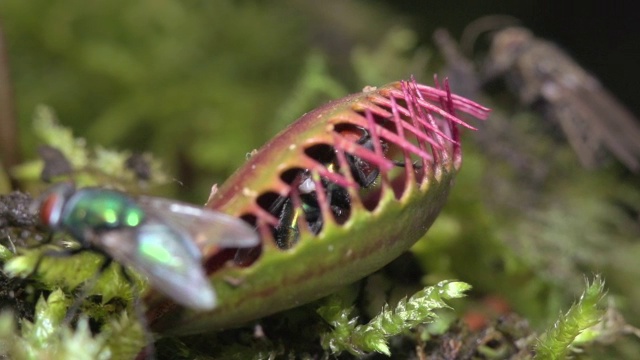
{"x": 303, "y": 206}
{"x": 302, "y": 209}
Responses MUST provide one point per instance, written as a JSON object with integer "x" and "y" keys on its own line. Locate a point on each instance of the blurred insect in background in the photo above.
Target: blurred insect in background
{"x": 162, "y": 239}
{"x": 590, "y": 116}
{"x": 545, "y": 78}
{"x": 552, "y": 123}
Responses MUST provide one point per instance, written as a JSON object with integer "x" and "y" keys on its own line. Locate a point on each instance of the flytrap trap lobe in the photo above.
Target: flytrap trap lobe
{"x": 341, "y": 192}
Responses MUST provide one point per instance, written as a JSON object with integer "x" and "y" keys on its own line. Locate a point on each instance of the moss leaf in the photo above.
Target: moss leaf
{"x": 372, "y": 337}
{"x": 557, "y": 341}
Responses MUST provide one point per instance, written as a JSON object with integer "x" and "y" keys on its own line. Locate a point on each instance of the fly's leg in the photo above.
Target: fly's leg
{"x": 53, "y": 254}
{"x": 84, "y": 293}
{"x": 148, "y": 351}
{"x": 416, "y": 164}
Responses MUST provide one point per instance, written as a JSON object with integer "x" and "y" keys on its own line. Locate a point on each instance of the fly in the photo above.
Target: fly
{"x": 162, "y": 239}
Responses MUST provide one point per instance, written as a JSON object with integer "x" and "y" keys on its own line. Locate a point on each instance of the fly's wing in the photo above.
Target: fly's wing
{"x": 208, "y": 229}
{"x": 166, "y": 257}
{"x": 169, "y": 245}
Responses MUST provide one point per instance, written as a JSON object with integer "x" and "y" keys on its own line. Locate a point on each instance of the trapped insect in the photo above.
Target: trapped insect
{"x": 364, "y": 174}
{"x": 334, "y": 197}
{"x": 162, "y": 239}
{"x": 542, "y": 74}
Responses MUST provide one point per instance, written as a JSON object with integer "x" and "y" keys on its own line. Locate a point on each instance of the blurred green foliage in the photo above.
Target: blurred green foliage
{"x": 86, "y": 166}
{"x": 178, "y": 79}
{"x": 50, "y": 336}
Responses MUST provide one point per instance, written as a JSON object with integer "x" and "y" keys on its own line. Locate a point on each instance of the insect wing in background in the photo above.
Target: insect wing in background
{"x": 591, "y": 118}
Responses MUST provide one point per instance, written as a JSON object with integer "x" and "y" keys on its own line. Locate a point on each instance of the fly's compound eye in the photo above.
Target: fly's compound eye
{"x": 51, "y": 204}
{"x": 50, "y": 210}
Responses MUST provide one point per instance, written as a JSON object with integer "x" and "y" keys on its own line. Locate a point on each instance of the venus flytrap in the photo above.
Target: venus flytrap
{"x": 340, "y": 193}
